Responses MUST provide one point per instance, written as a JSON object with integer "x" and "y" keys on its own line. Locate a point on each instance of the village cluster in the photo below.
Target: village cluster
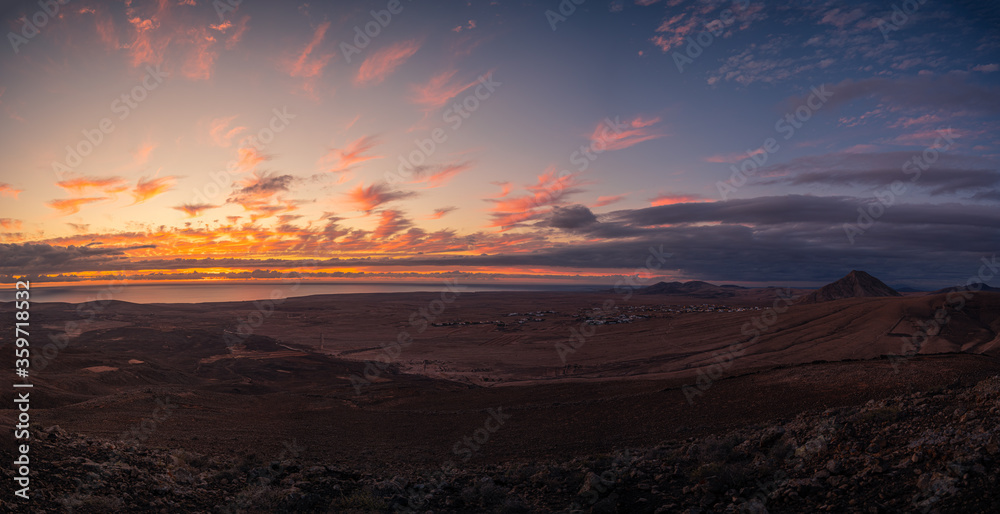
{"x": 621, "y": 315}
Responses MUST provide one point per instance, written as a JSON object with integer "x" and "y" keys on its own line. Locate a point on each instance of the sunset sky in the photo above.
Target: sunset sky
{"x": 501, "y": 138}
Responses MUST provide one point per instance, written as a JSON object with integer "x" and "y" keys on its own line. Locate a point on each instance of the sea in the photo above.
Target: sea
{"x": 230, "y": 292}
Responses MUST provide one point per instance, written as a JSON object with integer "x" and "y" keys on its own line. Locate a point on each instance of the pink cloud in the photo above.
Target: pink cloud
{"x": 220, "y": 131}
{"x": 343, "y": 159}
{"x": 551, "y": 189}
{"x": 382, "y": 63}
{"x": 672, "y": 198}
{"x": 618, "y": 136}
{"x": 439, "y": 89}
{"x": 608, "y": 200}
{"x": 436, "y": 177}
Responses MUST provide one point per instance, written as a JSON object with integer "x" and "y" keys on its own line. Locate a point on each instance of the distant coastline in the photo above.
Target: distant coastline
{"x": 199, "y": 292}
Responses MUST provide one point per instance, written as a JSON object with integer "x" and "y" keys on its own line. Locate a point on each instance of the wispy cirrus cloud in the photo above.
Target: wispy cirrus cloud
{"x": 608, "y": 200}
{"x": 107, "y": 185}
{"x": 440, "y": 212}
{"x": 146, "y": 189}
{"x": 436, "y": 92}
{"x": 437, "y": 176}
{"x": 72, "y": 205}
{"x": 339, "y": 160}
{"x": 379, "y": 65}
{"x": 221, "y": 133}
{"x": 672, "y": 198}
{"x": 141, "y": 155}
{"x": 248, "y": 157}
{"x": 158, "y": 33}
{"x": 310, "y": 62}
{"x": 626, "y": 134}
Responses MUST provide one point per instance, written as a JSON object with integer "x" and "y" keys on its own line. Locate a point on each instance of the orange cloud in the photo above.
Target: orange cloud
{"x": 672, "y": 198}
{"x": 505, "y": 188}
{"x": 237, "y": 34}
{"x": 309, "y": 63}
{"x": 10, "y": 224}
{"x": 608, "y": 200}
{"x": 249, "y": 157}
{"x": 141, "y": 155}
{"x": 381, "y": 64}
{"x": 72, "y": 205}
{"x": 162, "y": 33}
{"x": 368, "y": 198}
{"x": 8, "y": 190}
{"x": 220, "y": 132}
{"x": 343, "y": 159}
{"x": 201, "y": 56}
{"x": 148, "y": 188}
{"x": 390, "y": 223}
{"x": 107, "y": 185}
{"x": 550, "y": 190}
{"x": 439, "y": 213}
{"x": 194, "y": 209}
{"x": 441, "y": 88}
{"x": 441, "y": 175}
{"x": 149, "y": 44}
{"x": 618, "y": 136}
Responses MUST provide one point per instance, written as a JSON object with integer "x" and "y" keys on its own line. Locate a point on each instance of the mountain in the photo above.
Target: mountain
{"x": 985, "y": 288}
{"x": 694, "y": 288}
{"x": 857, "y": 284}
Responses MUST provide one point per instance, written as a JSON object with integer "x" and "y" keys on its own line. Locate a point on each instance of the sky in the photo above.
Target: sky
{"x": 749, "y": 142}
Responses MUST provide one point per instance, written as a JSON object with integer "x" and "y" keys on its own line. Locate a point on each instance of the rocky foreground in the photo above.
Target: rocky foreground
{"x": 937, "y": 451}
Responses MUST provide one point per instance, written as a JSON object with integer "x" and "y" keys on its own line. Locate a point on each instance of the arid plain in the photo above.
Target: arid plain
{"x": 563, "y": 375}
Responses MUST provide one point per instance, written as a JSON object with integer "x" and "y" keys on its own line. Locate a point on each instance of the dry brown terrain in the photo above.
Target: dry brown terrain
{"x": 628, "y": 384}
